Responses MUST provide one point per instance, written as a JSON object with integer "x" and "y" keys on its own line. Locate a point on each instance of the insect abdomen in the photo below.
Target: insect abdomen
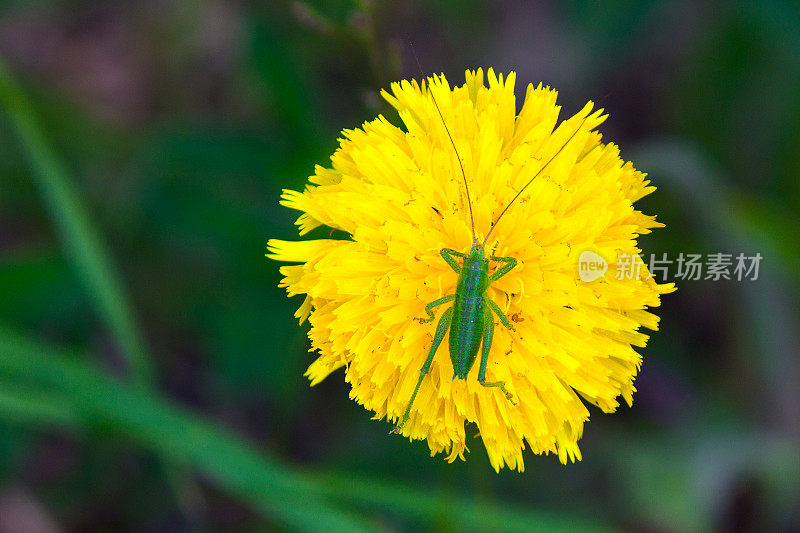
{"x": 466, "y": 328}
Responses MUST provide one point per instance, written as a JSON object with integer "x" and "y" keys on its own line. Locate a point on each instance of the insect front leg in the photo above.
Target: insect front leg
{"x": 510, "y": 263}
{"x": 488, "y": 333}
{"x": 447, "y": 254}
{"x": 496, "y": 308}
{"x": 430, "y": 306}
{"x": 441, "y": 329}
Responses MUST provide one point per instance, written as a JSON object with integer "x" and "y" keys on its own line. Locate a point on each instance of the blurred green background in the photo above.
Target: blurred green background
{"x": 151, "y": 370}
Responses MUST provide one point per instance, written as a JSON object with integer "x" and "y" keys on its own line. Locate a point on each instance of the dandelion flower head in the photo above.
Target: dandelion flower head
{"x": 399, "y": 194}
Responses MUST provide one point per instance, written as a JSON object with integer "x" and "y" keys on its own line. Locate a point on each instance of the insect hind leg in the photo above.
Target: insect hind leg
{"x": 488, "y": 333}
{"x": 441, "y": 329}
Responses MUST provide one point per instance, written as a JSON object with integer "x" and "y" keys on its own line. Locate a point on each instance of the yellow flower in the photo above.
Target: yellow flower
{"x": 400, "y": 195}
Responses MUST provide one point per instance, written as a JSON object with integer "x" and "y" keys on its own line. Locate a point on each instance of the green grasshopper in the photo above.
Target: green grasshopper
{"x": 470, "y": 320}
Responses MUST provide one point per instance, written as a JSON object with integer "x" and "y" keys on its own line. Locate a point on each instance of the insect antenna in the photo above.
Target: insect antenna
{"x": 503, "y": 212}
{"x": 460, "y": 163}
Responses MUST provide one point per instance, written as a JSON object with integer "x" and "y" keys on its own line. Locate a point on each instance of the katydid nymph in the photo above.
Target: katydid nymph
{"x": 469, "y": 320}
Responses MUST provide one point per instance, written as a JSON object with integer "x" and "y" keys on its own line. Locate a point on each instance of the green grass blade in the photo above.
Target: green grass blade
{"x": 462, "y": 513}
{"x": 301, "y": 500}
{"x": 30, "y": 405}
{"x": 81, "y": 244}
{"x": 83, "y": 247}
{"x": 175, "y": 434}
